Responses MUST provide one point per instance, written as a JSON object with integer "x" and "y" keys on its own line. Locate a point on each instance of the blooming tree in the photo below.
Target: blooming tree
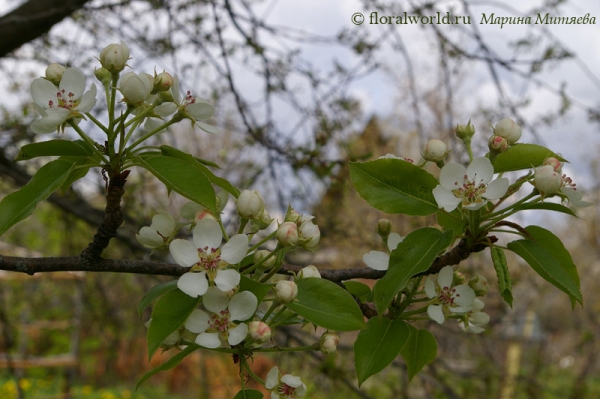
{"x": 233, "y": 291}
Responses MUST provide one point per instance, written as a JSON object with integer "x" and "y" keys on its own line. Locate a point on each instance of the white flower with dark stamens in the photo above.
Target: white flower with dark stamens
{"x": 574, "y": 196}
{"x": 159, "y": 233}
{"x": 379, "y": 260}
{"x": 208, "y": 262}
{"x": 475, "y": 320}
{"x": 470, "y": 186}
{"x": 284, "y": 387}
{"x": 58, "y": 105}
{"x": 457, "y": 299}
{"x": 223, "y": 322}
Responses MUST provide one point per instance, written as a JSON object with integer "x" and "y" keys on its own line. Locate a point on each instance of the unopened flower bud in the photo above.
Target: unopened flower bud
{"x": 54, "y": 73}
{"x": 287, "y": 233}
{"x": 259, "y": 331}
{"x": 435, "y": 150}
{"x": 508, "y": 129}
{"x": 384, "y": 227}
{"x": 103, "y": 75}
{"x": 264, "y": 254}
{"x": 310, "y": 234}
{"x": 114, "y": 57}
{"x": 286, "y": 291}
{"x": 310, "y": 271}
{"x": 250, "y": 204}
{"x": 163, "y": 81}
{"x": 465, "y": 132}
{"x": 479, "y": 285}
{"x": 555, "y": 163}
{"x": 159, "y": 233}
{"x": 547, "y": 180}
{"x": 497, "y": 144}
{"x": 292, "y": 216}
{"x": 329, "y": 343}
{"x": 458, "y": 278}
{"x": 263, "y": 220}
{"x": 136, "y": 88}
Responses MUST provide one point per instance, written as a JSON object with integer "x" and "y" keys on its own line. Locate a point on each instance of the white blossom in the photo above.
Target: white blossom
{"x": 379, "y": 260}
{"x": 284, "y": 387}
{"x": 448, "y": 298}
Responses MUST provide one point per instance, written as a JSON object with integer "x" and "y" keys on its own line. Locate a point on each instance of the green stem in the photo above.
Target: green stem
{"x": 261, "y": 242}
{"x": 89, "y": 141}
{"x": 274, "y": 306}
{"x": 150, "y": 134}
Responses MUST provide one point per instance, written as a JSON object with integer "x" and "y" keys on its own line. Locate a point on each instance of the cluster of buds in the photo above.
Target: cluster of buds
{"x": 506, "y": 133}
{"x": 298, "y": 230}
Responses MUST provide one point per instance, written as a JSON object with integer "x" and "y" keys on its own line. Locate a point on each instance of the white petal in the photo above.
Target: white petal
{"x": 496, "y": 189}
{"x": 430, "y": 288}
{"x": 272, "y": 379}
{"x": 209, "y": 340}
{"x": 301, "y": 390}
{"x": 377, "y": 260}
{"x": 464, "y": 296}
{"x": 393, "y": 240}
{"x": 480, "y": 170}
{"x": 479, "y": 318}
{"x": 193, "y": 284}
{"x": 237, "y": 334}
{"x": 165, "y": 109}
{"x": 88, "y": 100}
{"x": 475, "y": 205}
{"x": 215, "y": 300}
{"x": 197, "y": 322}
{"x": 474, "y": 329}
{"x": 73, "y": 81}
{"x": 184, "y": 253}
{"x": 242, "y": 306}
{"x": 51, "y": 121}
{"x": 164, "y": 223}
{"x": 478, "y": 304}
{"x": 574, "y": 197}
{"x": 207, "y": 233}
{"x": 200, "y": 110}
{"x": 436, "y": 313}
{"x": 175, "y": 90}
{"x": 445, "y": 198}
{"x": 227, "y": 279}
{"x": 208, "y": 128}
{"x": 291, "y": 380}
{"x": 149, "y": 238}
{"x": 42, "y": 92}
{"x": 235, "y": 249}
{"x": 452, "y": 176}
{"x": 445, "y": 277}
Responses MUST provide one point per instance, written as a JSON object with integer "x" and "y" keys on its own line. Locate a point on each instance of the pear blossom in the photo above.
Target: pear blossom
{"x": 114, "y": 57}
{"x": 310, "y": 271}
{"x": 218, "y": 324}
{"x": 286, "y": 291}
{"x": 284, "y": 387}
{"x": 379, "y": 260}
{"x": 470, "y": 186}
{"x": 208, "y": 262}
{"x": 259, "y": 331}
{"x": 58, "y": 105}
{"x": 329, "y": 342}
{"x": 474, "y": 321}
{"x": 189, "y": 107}
{"x": 309, "y": 233}
{"x": 54, "y": 73}
{"x": 136, "y": 88}
{"x": 547, "y": 180}
{"x": 508, "y": 129}
{"x": 159, "y": 233}
{"x": 456, "y": 299}
{"x": 287, "y": 233}
{"x": 435, "y": 150}
{"x": 250, "y": 204}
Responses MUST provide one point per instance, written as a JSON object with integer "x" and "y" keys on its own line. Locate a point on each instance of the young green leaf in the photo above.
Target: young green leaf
{"x": 420, "y": 349}
{"x": 522, "y": 156}
{"x": 20, "y": 204}
{"x": 154, "y": 293}
{"x": 169, "y": 313}
{"x": 259, "y": 290}
{"x": 249, "y": 394}
{"x": 378, "y": 345}
{"x": 548, "y": 206}
{"x": 359, "y": 290}
{"x": 395, "y": 186}
{"x": 504, "y": 282}
{"x": 54, "y": 148}
{"x": 547, "y": 255}
{"x": 169, "y": 364}
{"x": 327, "y": 305}
{"x": 414, "y": 255}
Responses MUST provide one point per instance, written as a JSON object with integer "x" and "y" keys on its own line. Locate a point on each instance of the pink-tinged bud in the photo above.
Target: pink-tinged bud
{"x": 329, "y": 343}
{"x": 310, "y": 271}
{"x": 163, "y": 81}
{"x": 259, "y": 331}
{"x": 310, "y": 234}
{"x": 546, "y": 180}
{"x": 136, "y": 88}
{"x": 286, "y": 291}
{"x": 263, "y": 254}
{"x": 54, "y": 73}
{"x": 508, "y": 129}
{"x": 114, "y": 57}
{"x": 435, "y": 150}
{"x": 250, "y": 204}
{"x": 555, "y": 163}
{"x": 497, "y": 144}
{"x": 479, "y": 285}
{"x": 287, "y": 234}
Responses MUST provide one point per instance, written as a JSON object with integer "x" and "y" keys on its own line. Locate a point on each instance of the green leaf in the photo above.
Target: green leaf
{"x": 378, "y": 345}
{"x": 395, "y": 186}
{"x": 504, "y": 282}
{"x": 155, "y": 292}
{"x": 169, "y": 313}
{"x": 451, "y": 221}
{"x": 169, "y": 364}
{"x": 547, "y": 255}
{"x": 20, "y": 204}
{"x": 199, "y": 164}
{"x": 414, "y": 255}
{"x": 178, "y": 175}
{"x": 359, "y": 290}
{"x": 54, "y": 148}
{"x": 259, "y": 290}
{"x": 419, "y": 350}
{"x": 248, "y": 394}
{"x": 548, "y": 206}
{"x": 523, "y": 156}
{"x": 327, "y": 305}
{"x": 81, "y": 167}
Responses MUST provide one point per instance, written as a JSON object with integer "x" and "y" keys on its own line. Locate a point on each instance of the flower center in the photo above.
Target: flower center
{"x": 220, "y": 321}
{"x": 64, "y": 100}
{"x": 448, "y": 295}
{"x": 189, "y": 99}
{"x": 471, "y": 191}
{"x": 285, "y": 389}
{"x": 210, "y": 259}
